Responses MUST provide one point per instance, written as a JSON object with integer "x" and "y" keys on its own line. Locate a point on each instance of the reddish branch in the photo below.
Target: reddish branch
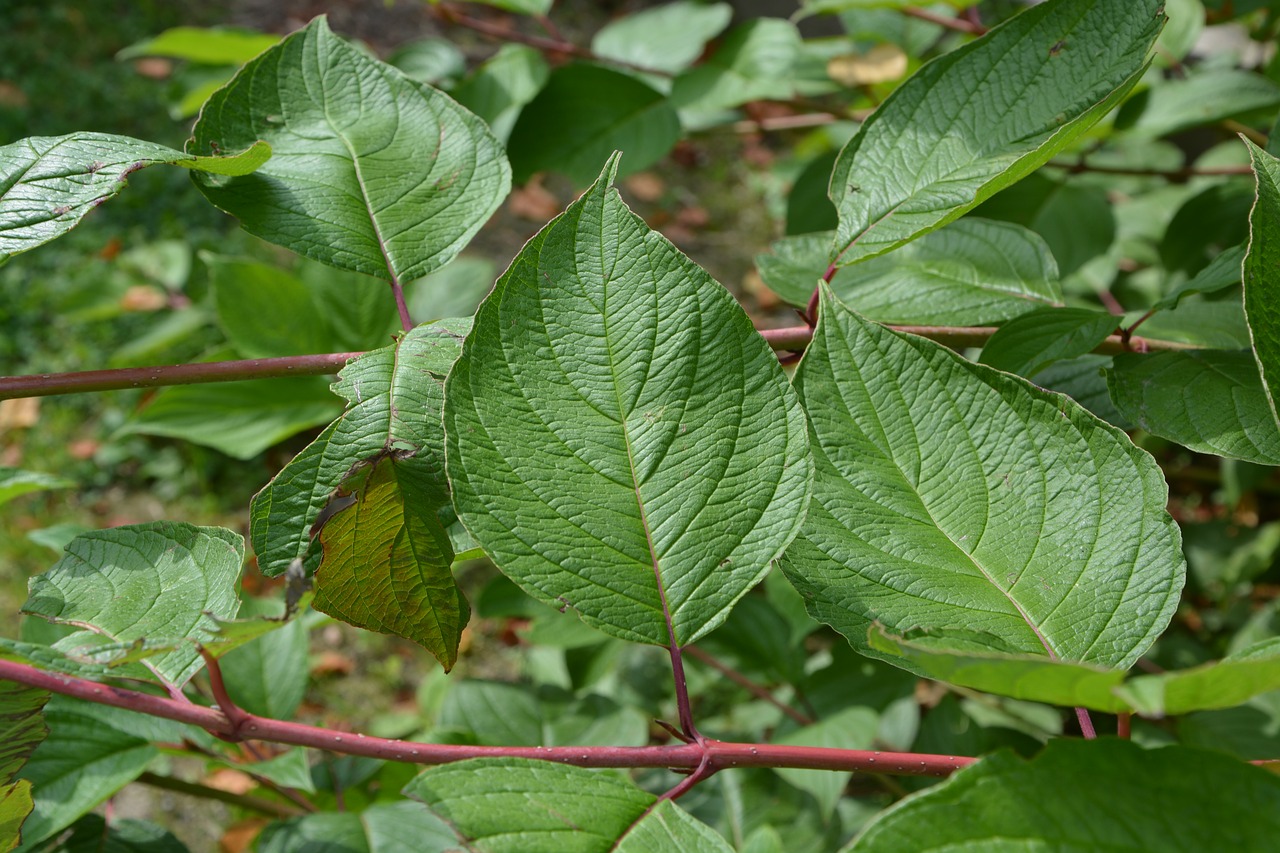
{"x": 960, "y": 25}
{"x": 706, "y": 757}
{"x": 43, "y": 385}
{"x": 793, "y": 339}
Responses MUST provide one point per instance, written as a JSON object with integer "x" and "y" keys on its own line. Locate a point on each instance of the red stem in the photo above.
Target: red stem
{"x": 717, "y": 755}
{"x": 1123, "y": 722}
{"x": 1086, "y": 724}
{"x": 793, "y": 339}
{"x": 44, "y": 385}
{"x": 747, "y": 684}
{"x": 960, "y": 25}
{"x": 398, "y": 290}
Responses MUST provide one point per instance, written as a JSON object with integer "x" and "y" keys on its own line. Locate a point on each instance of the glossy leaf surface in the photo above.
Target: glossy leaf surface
{"x": 1208, "y": 400}
{"x": 984, "y": 115}
{"x": 1008, "y": 802}
{"x": 49, "y": 183}
{"x": 393, "y": 399}
{"x": 972, "y": 272}
{"x": 620, "y": 440}
{"x": 954, "y": 498}
{"x": 159, "y": 581}
{"x": 371, "y": 171}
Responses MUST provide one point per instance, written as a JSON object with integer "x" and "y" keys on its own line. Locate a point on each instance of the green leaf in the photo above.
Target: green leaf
{"x": 615, "y": 399}
{"x": 502, "y": 85}
{"x": 240, "y": 419}
{"x": 583, "y": 114}
{"x": 852, "y": 728}
{"x": 985, "y": 115}
{"x": 1088, "y": 795}
{"x": 394, "y": 402}
{"x": 289, "y": 769}
{"x": 383, "y": 828}
{"x": 268, "y": 676}
{"x": 85, "y": 759}
{"x": 206, "y": 45}
{"x": 1261, "y": 280}
{"x": 15, "y": 482}
{"x": 158, "y": 581}
{"x": 1028, "y": 344}
{"x": 973, "y": 271}
{"x": 430, "y": 60}
{"x": 1208, "y": 400}
{"x": 954, "y": 498}
{"x": 756, "y": 61}
{"x": 1231, "y": 681}
{"x": 372, "y": 171}
{"x": 1203, "y": 98}
{"x": 1033, "y": 678}
{"x": 668, "y": 38}
{"x": 92, "y": 834}
{"x": 1222, "y": 272}
{"x": 49, "y": 183}
{"x": 670, "y": 829}
{"x": 520, "y": 806}
{"x": 264, "y": 311}
{"x": 387, "y": 557}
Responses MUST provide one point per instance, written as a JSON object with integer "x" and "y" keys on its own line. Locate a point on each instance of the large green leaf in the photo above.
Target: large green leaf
{"x": 1208, "y": 400}
{"x": 518, "y": 806}
{"x": 1089, "y": 795}
{"x": 956, "y": 498}
{"x": 159, "y": 581}
{"x": 240, "y": 419}
{"x": 583, "y": 114}
{"x": 389, "y": 406}
{"x": 1261, "y": 279}
{"x": 980, "y": 117}
{"x": 668, "y": 38}
{"x": 972, "y": 272}
{"x": 383, "y": 828}
{"x": 49, "y": 183}
{"x": 372, "y": 171}
{"x": 85, "y": 759}
{"x": 620, "y": 439}
{"x": 387, "y": 557}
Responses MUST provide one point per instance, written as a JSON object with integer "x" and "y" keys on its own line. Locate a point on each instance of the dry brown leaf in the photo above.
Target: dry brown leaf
{"x": 21, "y": 413}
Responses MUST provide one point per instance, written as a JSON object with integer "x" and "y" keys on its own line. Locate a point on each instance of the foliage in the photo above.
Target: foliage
{"x": 975, "y": 504}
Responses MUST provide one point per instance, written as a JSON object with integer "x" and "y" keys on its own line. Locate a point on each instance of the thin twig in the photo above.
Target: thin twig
{"x": 244, "y": 801}
{"x": 1086, "y": 724}
{"x": 47, "y": 384}
{"x": 718, "y": 755}
{"x": 960, "y": 25}
{"x": 747, "y": 684}
{"x": 1123, "y": 722}
{"x": 397, "y": 289}
{"x": 451, "y": 15}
